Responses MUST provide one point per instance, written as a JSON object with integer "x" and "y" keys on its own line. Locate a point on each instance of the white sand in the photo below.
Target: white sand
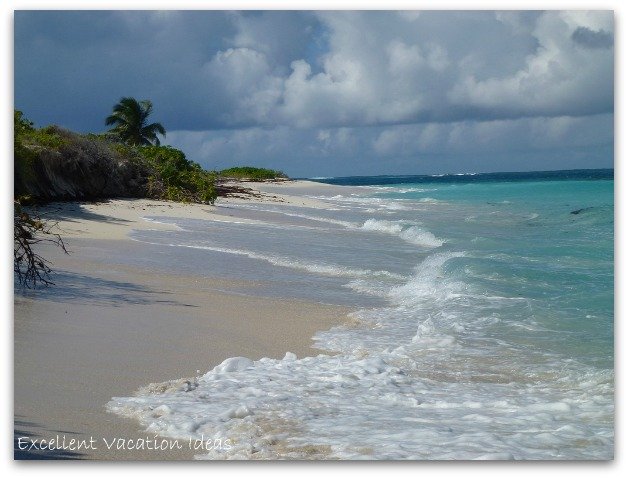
{"x": 105, "y": 330}
{"x": 115, "y": 218}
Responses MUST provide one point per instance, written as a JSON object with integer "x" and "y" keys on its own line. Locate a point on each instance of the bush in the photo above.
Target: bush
{"x": 28, "y": 143}
{"x": 53, "y": 163}
{"x": 176, "y": 178}
{"x": 23, "y": 157}
{"x": 252, "y": 174}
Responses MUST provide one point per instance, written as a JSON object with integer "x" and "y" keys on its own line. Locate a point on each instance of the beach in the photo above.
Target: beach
{"x": 387, "y": 318}
{"x": 341, "y": 235}
{"x": 106, "y": 329}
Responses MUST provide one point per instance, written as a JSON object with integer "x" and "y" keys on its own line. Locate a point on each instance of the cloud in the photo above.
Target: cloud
{"x": 312, "y": 88}
{"x": 378, "y": 71}
{"x": 321, "y": 69}
{"x": 520, "y": 144}
{"x": 559, "y": 79}
{"x": 250, "y": 91}
{"x": 592, "y": 39}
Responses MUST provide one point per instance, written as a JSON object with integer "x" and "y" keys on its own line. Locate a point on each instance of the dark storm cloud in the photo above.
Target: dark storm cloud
{"x": 71, "y": 67}
{"x": 208, "y": 70}
{"x": 592, "y": 39}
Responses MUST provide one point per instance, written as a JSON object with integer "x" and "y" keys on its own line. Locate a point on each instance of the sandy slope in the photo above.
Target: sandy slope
{"x": 104, "y": 330}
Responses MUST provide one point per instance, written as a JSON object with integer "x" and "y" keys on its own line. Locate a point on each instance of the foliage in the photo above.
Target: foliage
{"x": 177, "y": 178}
{"x": 23, "y": 157}
{"x": 29, "y": 267}
{"x": 52, "y": 163}
{"x": 27, "y": 142}
{"x": 21, "y": 124}
{"x": 251, "y": 173}
{"x": 130, "y": 118}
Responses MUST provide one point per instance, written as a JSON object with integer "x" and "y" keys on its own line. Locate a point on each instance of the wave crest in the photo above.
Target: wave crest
{"x": 412, "y": 234}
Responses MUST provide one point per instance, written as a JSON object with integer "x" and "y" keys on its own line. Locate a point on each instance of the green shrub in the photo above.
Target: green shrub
{"x": 20, "y": 123}
{"x": 48, "y": 137}
{"x": 23, "y": 156}
{"x": 176, "y": 178}
{"x": 252, "y": 174}
{"x": 52, "y": 163}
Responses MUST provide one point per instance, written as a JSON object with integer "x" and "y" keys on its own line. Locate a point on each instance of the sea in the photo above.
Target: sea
{"x": 481, "y": 324}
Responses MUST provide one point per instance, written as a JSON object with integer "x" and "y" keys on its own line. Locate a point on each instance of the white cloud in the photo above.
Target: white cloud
{"x": 244, "y": 77}
{"x": 381, "y": 69}
{"x": 558, "y": 79}
{"x": 406, "y": 148}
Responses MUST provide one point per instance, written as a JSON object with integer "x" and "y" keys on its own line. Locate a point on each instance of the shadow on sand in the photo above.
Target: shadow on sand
{"x": 88, "y": 289}
{"x": 73, "y": 212}
{"x": 22, "y": 449}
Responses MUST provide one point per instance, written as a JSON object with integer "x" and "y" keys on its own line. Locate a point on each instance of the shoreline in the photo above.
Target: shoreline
{"x": 115, "y": 218}
{"x": 106, "y": 330}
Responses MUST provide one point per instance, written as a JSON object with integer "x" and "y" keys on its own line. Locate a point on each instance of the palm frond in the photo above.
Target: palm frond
{"x": 129, "y": 120}
{"x": 155, "y": 128}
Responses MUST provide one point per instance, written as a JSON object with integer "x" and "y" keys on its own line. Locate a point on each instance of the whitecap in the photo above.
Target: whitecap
{"x": 412, "y": 234}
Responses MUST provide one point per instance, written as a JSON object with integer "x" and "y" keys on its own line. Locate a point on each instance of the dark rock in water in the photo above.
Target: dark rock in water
{"x": 578, "y": 211}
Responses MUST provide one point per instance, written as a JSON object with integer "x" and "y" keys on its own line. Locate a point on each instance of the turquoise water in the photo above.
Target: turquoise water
{"x": 482, "y": 323}
{"x": 548, "y": 241}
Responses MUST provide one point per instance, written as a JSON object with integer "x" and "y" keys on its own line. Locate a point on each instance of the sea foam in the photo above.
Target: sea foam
{"x": 412, "y": 234}
{"x": 292, "y": 263}
{"x": 457, "y": 359}
{"x": 399, "y": 386}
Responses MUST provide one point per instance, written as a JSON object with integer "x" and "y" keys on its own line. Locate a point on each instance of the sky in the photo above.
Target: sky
{"x": 335, "y": 93}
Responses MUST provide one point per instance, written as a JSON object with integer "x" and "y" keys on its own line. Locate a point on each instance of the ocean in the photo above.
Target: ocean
{"x": 482, "y": 323}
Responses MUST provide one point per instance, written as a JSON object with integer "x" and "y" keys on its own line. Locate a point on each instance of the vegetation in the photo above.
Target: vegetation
{"x": 52, "y": 164}
{"x": 23, "y": 158}
{"x": 176, "y": 178}
{"x": 56, "y": 164}
{"x": 252, "y": 174}
{"x": 130, "y": 118}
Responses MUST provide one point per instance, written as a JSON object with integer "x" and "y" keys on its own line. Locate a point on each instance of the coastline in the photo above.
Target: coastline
{"x": 115, "y": 218}
{"x": 106, "y": 329}
{"x": 417, "y": 360}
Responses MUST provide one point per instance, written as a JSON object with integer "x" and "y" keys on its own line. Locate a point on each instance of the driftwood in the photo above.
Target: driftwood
{"x": 30, "y": 268}
{"x": 234, "y": 189}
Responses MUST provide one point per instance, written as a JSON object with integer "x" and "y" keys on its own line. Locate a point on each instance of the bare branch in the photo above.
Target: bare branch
{"x": 30, "y": 268}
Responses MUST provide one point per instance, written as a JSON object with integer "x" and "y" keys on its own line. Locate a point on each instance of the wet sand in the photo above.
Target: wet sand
{"x": 105, "y": 330}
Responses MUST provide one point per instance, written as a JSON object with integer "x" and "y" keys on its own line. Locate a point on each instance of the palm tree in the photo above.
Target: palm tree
{"x": 130, "y": 119}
